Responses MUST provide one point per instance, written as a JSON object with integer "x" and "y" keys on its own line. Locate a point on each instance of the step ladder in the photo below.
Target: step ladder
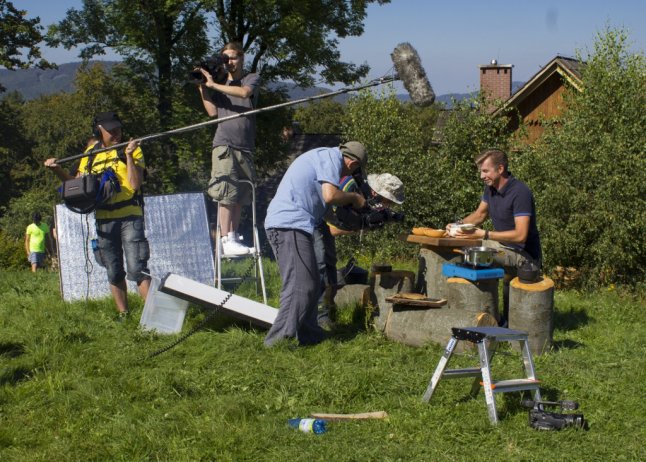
{"x": 259, "y": 276}
{"x": 487, "y": 339}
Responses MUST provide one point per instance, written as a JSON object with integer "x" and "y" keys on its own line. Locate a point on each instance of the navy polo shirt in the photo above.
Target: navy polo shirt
{"x": 514, "y": 199}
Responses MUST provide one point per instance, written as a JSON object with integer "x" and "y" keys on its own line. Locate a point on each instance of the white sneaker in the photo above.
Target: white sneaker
{"x": 252, "y": 249}
{"x": 221, "y": 241}
{"x": 233, "y": 248}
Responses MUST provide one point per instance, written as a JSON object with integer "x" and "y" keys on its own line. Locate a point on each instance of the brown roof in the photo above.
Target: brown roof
{"x": 568, "y": 68}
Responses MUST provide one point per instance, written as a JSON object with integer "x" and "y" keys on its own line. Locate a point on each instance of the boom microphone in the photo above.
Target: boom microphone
{"x": 407, "y": 64}
{"x": 411, "y": 73}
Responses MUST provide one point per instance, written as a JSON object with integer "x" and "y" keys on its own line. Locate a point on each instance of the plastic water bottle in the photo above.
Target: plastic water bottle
{"x": 316, "y": 426}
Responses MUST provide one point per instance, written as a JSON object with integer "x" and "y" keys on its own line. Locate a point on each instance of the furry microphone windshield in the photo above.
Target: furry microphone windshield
{"x": 411, "y": 73}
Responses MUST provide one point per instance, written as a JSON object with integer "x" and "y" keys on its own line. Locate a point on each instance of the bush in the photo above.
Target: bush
{"x": 589, "y": 172}
{"x": 12, "y": 252}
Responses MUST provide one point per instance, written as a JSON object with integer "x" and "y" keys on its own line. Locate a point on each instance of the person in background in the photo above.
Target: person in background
{"x": 233, "y": 143}
{"x": 385, "y": 189}
{"x": 310, "y": 185}
{"x": 510, "y": 204}
{"x": 119, "y": 220}
{"x": 37, "y": 242}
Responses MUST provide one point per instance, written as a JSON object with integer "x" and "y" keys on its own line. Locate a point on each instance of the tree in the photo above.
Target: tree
{"x": 16, "y": 34}
{"x": 158, "y": 39}
{"x": 284, "y": 39}
{"x": 293, "y": 39}
{"x": 15, "y": 150}
{"x": 321, "y": 116}
{"x": 589, "y": 171}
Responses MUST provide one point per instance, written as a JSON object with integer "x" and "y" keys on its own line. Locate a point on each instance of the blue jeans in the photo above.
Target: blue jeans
{"x": 123, "y": 236}
{"x": 325, "y": 251}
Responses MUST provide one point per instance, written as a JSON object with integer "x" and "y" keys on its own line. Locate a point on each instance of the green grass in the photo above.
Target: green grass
{"x": 73, "y": 387}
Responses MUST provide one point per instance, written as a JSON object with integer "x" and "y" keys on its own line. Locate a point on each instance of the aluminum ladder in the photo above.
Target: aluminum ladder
{"x": 256, "y": 254}
{"x": 487, "y": 339}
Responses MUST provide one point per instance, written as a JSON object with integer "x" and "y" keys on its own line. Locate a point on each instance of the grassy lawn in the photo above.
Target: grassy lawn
{"x": 74, "y": 387}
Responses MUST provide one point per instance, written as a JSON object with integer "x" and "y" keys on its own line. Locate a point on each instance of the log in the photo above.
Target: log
{"x": 360, "y": 416}
{"x": 385, "y": 285}
{"x": 430, "y": 280}
{"x": 531, "y": 309}
{"x": 351, "y": 295}
{"x": 473, "y": 296}
{"x": 417, "y": 327}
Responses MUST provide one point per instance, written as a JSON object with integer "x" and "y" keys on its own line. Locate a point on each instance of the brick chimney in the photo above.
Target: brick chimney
{"x": 495, "y": 80}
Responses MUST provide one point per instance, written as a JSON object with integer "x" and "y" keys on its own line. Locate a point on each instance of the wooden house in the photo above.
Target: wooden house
{"x": 540, "y": 99}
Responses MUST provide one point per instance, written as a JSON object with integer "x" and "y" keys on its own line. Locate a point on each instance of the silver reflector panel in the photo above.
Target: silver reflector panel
{"x": 177, "y": 229}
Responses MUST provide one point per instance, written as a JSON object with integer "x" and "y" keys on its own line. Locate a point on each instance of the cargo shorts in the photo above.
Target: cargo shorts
{"x": 228, "y": 167}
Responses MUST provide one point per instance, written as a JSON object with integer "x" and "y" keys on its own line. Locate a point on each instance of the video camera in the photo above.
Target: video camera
{"x": 540, "y": 419}
{"x": 374, "y": 215}
{"x": 214, "y": 65}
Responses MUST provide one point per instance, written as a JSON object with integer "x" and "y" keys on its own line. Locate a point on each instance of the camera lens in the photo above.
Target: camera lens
{"x": 197, "y": 75}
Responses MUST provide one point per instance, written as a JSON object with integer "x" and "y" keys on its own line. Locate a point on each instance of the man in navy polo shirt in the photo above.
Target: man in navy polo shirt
{"x": 510, "y": 204}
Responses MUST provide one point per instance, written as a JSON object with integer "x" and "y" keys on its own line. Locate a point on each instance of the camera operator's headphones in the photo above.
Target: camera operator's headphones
{"x": 95, "y": 129}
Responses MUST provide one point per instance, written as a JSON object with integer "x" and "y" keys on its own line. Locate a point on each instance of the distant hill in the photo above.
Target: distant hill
{"x": 33, "y": 83}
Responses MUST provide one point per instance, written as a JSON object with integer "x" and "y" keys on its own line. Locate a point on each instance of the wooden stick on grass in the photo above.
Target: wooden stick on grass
{"x": 361, "y": 416}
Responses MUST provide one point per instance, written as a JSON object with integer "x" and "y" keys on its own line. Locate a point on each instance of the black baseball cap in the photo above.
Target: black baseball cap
{"x": 108, "y": 120}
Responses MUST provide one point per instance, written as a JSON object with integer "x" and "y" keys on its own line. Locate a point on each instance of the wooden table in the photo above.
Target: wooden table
{"x": 450, "y": 242}
{"x": 433, "y": 252}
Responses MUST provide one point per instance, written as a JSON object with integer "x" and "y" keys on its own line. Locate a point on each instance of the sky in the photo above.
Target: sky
{"x": 454, "y": 37}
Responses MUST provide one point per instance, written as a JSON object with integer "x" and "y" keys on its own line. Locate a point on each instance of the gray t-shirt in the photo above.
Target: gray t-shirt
{"x": 239, "y": 133}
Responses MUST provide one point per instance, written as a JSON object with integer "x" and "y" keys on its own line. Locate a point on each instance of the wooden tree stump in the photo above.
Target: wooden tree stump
{"x": 386, "y": 285}
{"x": 417, "y": 327}
{"x": 430, "y": 280}
{"x": 473, "y": 296}
{"x": 531, "y": 309}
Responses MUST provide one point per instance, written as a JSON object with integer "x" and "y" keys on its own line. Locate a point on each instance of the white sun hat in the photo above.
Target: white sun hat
{"x": 388, "y": 186}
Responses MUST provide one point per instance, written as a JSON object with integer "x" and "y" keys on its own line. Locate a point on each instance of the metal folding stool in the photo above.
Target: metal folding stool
{"x": 256, "y": 254}
{"x": 487, "y": 339}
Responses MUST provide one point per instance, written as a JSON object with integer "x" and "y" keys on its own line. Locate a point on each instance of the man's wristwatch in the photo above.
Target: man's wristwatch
{"x": 486, "y": 236}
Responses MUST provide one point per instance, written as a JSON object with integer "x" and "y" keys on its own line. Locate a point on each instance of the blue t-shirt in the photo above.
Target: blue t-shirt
{"x": 515, "y": 199}
{"x": 298, "y": 203}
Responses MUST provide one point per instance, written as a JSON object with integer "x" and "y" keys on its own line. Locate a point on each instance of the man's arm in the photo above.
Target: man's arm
{"x": 478, "y": 216}
{"x": 334, "y": 196}
{"x": 135, "y": 173}
{"x": 334, "y": 231}
{"x": 209, "y": 106}
{"x": 57, "y": 169}
{"x": 518, "y": 235}
{"x": 27, "y": 244}
{"x": 231, "y": 90}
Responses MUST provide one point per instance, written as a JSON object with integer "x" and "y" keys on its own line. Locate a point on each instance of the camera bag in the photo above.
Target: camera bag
{"x": 80, "y": 194}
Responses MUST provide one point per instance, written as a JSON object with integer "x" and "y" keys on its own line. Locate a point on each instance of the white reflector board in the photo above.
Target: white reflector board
{"x": 162, "y": 312}
{"x": 206, "y": 295}
{"x": 177, "y": 230}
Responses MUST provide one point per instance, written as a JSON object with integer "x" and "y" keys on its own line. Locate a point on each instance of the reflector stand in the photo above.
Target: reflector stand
{"x": 201, "y": 294}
